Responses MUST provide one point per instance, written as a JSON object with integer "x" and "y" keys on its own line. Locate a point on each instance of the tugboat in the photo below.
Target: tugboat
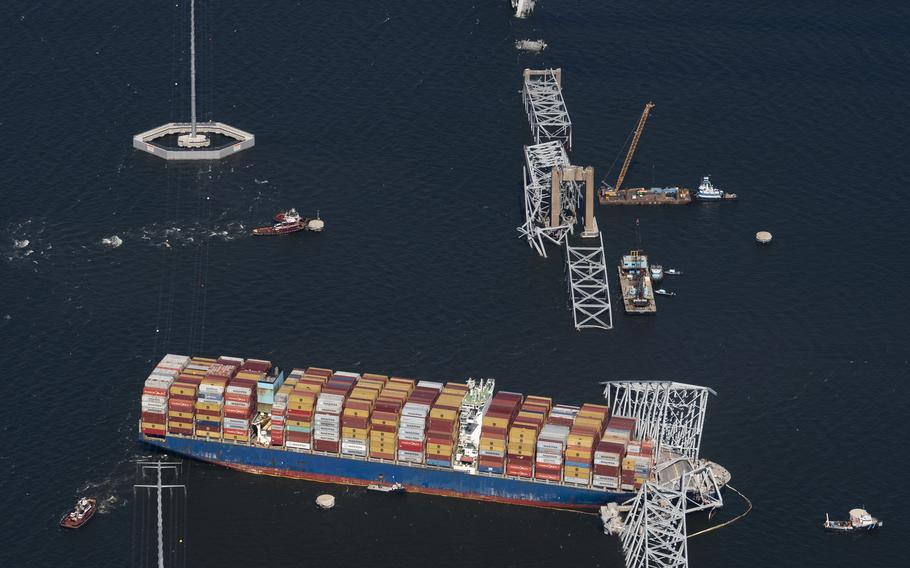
{"x": 860, "y": 520}
{"x": 707, "y": 191}
{"x": 286, "y": 222}
{"x": 82, "y": 513}
{"x": 662, "y": 292}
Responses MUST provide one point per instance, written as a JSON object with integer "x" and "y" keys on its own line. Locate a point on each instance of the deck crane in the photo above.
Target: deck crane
{"x": 638, "y": 130}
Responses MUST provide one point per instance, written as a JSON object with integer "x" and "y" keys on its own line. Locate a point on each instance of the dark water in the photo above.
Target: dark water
{"x": 402, "y": 123}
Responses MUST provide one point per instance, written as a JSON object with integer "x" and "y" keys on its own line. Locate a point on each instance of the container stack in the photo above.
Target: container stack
{"x": 552, "y": 442}
{"x": 279, "y": 408}
{"x": 522, "y": 442}
{"x": 301, "y": 406}
{"x": 155, "y": 394}
{"x": 355, "y": 421}
{"x": 386, "y": 416}
{"x": 494, "y": 431}
{"x": 329, "y": 406}
{"x": 210, "y": 398}
{"x": 180, "y": 408}
{"x": 412, "y": 427}
{"x": 585, "y": 432}
{"x": 442, "y": 427}
{"x": 240, "y": 399}
{"x": 266, "y": 389}
{"x": 611, "y": 451}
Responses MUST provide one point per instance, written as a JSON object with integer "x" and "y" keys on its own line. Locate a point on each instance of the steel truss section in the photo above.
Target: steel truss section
{"x": 547, "y": 113}
{"x": 672, "y": 414}
{"x": 655, "y": 531}
{"x": 589, "y": 287}
{"x": 538, "y": 174}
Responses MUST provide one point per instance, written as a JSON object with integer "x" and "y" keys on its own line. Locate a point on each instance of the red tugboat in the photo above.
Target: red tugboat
{"x": 286, "y": 222}
{"x": 81, "y": 514}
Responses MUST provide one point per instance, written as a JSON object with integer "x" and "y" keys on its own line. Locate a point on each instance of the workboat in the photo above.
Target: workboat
{"x": 386, "y": 487}
{"x": 708, "y": 192}
{"x": 657, "y": 272}
{"x": 860, "y": 520}
{"x": 662, "y": 292}
{"x": 535, "y": 45}
{"x": 635, "y": 283}
{"x": 673, "y": 272}
{"x": 286, "y": 222}
{"x": 82, "y": 513}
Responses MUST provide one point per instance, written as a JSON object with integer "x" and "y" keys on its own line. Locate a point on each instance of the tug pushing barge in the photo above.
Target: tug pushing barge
{"x": 453, "y": 439}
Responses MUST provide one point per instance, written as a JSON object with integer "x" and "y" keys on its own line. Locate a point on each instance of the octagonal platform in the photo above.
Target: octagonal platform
{"x": 162, "y": 141}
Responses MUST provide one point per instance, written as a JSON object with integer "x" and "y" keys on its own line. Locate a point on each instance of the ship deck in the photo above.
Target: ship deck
{"x": 641, "y": 196}
{"x": 625, "y": 284}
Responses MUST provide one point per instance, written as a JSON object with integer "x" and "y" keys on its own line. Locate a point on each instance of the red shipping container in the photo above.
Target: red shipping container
{"x": 153, "y": 417}
{"x": 383, "y": 428}
{"x": 236, "y": 431}
{"x": 182, "y": 405}
{"x": 293, "y": 436}
{"x": 180, "y": 431}
{"x": 523, "y": 460}
{"x": 154, "y": 432}
{"x": 208, "y": 414}
{"x": 518, "y": 470}
{"x": 326, "y": 446}
{"x": 276, "y": 440}
{"x": 410, "y": 445}
{"x": 611, "y": 470}
{"x": 548, "y": 476}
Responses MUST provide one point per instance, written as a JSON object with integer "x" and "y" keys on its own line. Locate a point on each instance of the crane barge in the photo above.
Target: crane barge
{"x": 615, "y": 195}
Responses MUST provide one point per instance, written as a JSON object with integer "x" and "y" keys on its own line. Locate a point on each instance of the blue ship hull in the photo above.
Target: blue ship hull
{"x": 329, "y": 468}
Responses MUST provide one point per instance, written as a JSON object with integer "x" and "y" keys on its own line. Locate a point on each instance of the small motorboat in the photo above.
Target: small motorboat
{"x": 860, "y": 520}
{"x": 535, "y": 45}
{"x": 286, "y": 222}
{"x": 386, "y": 488}
{"x": 657, "y": 272}
{"x": 662, "y": 292}
{"x": 673, "y": 272}
{"x": 82, "y": 513}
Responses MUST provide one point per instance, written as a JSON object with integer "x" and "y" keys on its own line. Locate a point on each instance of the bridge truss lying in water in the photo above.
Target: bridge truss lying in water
{"x": 673, "y": 415}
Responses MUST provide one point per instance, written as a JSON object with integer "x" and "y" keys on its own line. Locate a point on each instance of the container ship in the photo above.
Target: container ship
{"x": 454, "y": 439}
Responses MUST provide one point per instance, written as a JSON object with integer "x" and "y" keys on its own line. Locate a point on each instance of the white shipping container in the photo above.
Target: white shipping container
{"x": 430, "y": 384}
{"x": 549, "y": 459}
{"x": 411, "y": 437}
{"x": 606, "y": 481}
{"x": 238, "y": 404}
{"x": 241, "y": 390}
{"x": 408, "y": 456}
{"x": 298, "y": 445}
{"x": 158, "y": 382}
{"x": 172, "y": 358}
{"x": 237, "y": 423}
{"x": 547, "y": 445}
{"x": 154, "y": 399}
{"x": 354, "y": 452}
{"x": 627, "y": 487}
{"x": 348, "y": 374}
{"x": 325, "y": 437}
{"x": 607, "y": 459}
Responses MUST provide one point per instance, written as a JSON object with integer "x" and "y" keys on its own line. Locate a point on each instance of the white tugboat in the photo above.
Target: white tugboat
{"x": 657, "y": 272}
{"x": 860, "y": 520}
{"x": 707, "y": 191}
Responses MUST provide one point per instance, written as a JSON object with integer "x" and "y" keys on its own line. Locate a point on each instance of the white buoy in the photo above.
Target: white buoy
{"x": 763, "y": 237}
{"x": 325, "y": 501}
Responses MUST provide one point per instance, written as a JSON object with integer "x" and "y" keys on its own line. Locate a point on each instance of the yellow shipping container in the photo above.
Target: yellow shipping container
{"x": 216, "y": 406}
{"x": 580, "y": 440}
{"x": 578, "y": 455}
{"x": 203, "y": 361}
{"x": 360, "y": 433}
{"x": 299, "y": 423}
{"x": 629, "y": 464}
{"x": 374, "y": 377}
{"x": 178, "y": 414}
{"x": 209, "y": 434}
{"x": 495, "y": 422}
{"x": 362, "y": 393}
{"x": 356, "y": 412}
{"x": 236, "y": 437}
{"x": 444, "y": 413}
{"x": 521, "y": 447}
{"x": 183, "y": 389}
{"x": 525, "y": 452}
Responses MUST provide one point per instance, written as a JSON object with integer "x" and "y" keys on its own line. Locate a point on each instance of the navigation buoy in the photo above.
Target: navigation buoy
{"x": 763, "y": 237}
{"x": 325, "y": 501}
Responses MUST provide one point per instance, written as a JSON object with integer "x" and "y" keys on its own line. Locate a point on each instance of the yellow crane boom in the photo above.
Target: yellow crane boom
{"x": 638, "y": 129}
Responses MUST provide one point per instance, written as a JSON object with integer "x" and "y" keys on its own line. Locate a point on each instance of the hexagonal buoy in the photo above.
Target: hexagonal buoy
{"x": 763, "y": 237}
{"x": 325, "y": 501}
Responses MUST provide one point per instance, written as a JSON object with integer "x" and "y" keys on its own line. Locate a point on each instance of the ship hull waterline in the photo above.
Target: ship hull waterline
{"x": 327, "y": 468}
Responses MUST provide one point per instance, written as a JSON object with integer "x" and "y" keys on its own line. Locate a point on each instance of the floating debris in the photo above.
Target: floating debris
{"x": 21, "y": 244}
{"x": 534, "y": 45}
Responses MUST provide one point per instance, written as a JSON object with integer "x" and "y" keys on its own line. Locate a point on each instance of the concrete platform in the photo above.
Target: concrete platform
{"x": 150, "y": 141}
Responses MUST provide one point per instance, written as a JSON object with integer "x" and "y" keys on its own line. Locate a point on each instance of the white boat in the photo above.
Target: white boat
{"x": 860, "y": 520}
{"x": 707, "y": 191}
{"x": 386, "y": 488}
{"x": 657, "y": 272}
{"x": 662, "y": 292}
{"x": 673, "y": 272}
{"x": 535, "y": 45}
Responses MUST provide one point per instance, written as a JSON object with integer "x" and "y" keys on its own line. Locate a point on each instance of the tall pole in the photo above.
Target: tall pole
{"x": 160, "y": 524}
{"x": 192, "y": 67}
